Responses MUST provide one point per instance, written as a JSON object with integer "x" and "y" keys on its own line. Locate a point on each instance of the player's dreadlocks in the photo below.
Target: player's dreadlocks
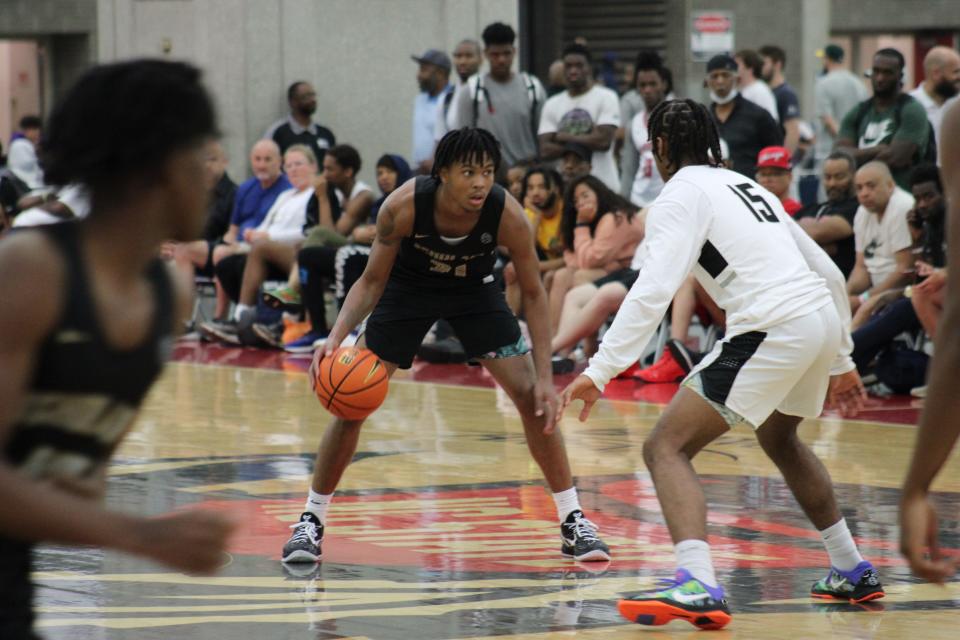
{"x": 466, "y": 145}
{"x": 689, "y": 131}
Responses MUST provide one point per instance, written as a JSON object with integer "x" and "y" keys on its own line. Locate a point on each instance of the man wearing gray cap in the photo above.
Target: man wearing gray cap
{"x": 433, "y": 78}
{"x": 837, "y": 92}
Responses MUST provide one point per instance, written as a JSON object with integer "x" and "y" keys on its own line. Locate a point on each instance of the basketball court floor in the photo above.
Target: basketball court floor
{"x": 443, "y": 529}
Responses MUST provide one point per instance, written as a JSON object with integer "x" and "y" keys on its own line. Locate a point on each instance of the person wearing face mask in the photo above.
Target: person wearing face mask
{"x": 745, "y": 127}
{"x": 941, "y": 71}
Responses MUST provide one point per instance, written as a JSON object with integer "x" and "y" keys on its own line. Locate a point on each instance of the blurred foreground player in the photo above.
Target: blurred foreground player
{"x": 86, "y": 316}
{"x": 939, "y": 423}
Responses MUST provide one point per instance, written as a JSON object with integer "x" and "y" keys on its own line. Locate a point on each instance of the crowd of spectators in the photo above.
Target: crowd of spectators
{"x": 284, "y": 247}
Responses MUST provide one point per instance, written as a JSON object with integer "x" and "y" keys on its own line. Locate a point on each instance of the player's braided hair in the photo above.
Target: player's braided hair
{"x": 468, "y": 144}
{"x": 689, "y": 130}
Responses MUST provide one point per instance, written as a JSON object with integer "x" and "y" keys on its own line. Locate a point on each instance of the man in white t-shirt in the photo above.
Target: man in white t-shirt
{"x": 881, "y": 235}
{"x": 749, "y": 74}
{"x": 652, "y": 86}
{"x": 787, "y": 347}
{"x": 941, "y": 83}
{"x": 466, "y": 62}
{"x": 585, "y": 113}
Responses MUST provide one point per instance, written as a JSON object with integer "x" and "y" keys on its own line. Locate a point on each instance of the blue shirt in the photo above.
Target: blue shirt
{"x": 253, "y": 202}
{"x": 424, "y": 119}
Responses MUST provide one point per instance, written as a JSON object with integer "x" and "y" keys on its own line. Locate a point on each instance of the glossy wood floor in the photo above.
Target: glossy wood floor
{"x": 443, "y": 529}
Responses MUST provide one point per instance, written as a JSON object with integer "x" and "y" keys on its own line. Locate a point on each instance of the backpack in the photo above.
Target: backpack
{"x": 926, "y": 155}
{"x": 476, "y": 87}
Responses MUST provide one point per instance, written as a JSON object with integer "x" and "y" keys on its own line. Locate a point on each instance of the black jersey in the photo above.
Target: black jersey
{"x": 84, "y": 393}
{"x": 81, "y": 399}
{"x": 426, "y": 259}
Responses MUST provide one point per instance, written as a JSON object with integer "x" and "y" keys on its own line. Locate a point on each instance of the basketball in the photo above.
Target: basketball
{"x": 352, "y": 383}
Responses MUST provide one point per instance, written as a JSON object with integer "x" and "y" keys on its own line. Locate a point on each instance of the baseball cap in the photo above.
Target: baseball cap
{"x": 581, "y": 151}
{"x": 434, "y": 57}
{"x": 831, "y": 51}
{"x": 778, "y": 157}
{"x": 722, "y": 61}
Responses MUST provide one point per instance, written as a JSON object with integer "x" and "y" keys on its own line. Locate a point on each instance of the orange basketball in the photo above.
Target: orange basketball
{"x": 352, "y": 383}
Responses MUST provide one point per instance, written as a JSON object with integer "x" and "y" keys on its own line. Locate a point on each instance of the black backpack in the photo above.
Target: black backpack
{"x": 926, "y": 155}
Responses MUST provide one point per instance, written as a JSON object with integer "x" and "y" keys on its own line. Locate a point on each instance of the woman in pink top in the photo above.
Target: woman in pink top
{"x": 603, "y": 230}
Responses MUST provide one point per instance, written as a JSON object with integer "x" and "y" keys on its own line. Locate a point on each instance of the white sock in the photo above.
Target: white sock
{"x": 566, "y": 502}
{"x": 240, "y": 310}
{"x": 694, "y": 556}
{"x": 841, "y": 547}
{"x": 317, "y": 504}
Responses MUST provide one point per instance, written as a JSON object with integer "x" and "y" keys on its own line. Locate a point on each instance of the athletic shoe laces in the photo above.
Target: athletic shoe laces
{"x": 304, "y": 530}
{"x": 584, "y": 529}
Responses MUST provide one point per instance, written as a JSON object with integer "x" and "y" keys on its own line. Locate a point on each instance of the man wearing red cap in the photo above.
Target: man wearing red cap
{"x": 774, "y": 174}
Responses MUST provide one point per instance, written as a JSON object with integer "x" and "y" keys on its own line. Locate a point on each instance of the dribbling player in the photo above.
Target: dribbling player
{"x": 433, "y": 258}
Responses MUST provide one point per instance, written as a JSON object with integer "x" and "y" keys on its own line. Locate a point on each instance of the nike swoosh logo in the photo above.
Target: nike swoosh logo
{"x": 691, "y": 598}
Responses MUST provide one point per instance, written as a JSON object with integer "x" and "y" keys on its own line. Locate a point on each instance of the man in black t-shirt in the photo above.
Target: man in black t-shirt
{"x": 830, "y": 223}
{"x": 299, "y": 127}
{"x": 745, "y": 127}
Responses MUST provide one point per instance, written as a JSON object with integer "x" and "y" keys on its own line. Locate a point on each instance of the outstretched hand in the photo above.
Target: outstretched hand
{"x": 582, "y": 388}
{"x": 918, "y": 533}
{"x": 846, "y": 393}
{"x": 545, "y": 404}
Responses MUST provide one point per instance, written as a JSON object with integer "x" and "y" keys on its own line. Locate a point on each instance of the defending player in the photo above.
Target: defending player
{"x": 787, "y": 344}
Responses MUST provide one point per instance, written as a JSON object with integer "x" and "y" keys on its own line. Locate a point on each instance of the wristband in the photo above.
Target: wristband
{"x": 864, "y": 296}
{"x": 908, "y": 291}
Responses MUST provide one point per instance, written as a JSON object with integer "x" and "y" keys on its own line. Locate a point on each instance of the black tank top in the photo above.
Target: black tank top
{"x": 84, "y": 394}
{"x": 426, "y": 259}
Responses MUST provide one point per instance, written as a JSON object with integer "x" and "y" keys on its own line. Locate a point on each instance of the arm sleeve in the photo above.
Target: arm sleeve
{"x": 900, "y": 237}
{"x": 820, "y": 263}
{"x": 548, "y": 118}
{"x": 609, "y": 111}
{"x": 847, "y": 127}
{"x": 676, "y": 228}
{"x": 771, "y": 135}
{"x": 461, "y": 107}
{"x": 914, "y": 125}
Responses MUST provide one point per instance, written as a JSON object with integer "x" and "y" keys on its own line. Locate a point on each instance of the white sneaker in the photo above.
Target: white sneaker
{"x": 919, "y": 392}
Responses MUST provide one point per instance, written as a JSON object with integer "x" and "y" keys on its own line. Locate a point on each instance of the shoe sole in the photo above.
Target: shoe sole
{"x": 266, "y": 336}
{"x": 876, "y": 595}
{"x": 216, "y": 336}
{"x": 301, "y": 556}
{"x": 655, "y": 613}
{"x": 596, "y": 555}
{"x": 307, "y": 349}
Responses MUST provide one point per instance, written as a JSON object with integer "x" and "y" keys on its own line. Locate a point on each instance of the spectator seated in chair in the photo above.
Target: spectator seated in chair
{"x": 830, "y": 223}
{"x": 774, "y": 173}
{"x": 917, "y": 306}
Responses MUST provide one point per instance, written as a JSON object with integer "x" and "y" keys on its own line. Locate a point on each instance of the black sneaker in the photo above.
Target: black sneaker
{"x": 862, "y": 584}
{"x": 304, "y": 543}
{"x": 686, "y": 358}
{"x": 224, "y": 331}
{"x": 580, "y": 541}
